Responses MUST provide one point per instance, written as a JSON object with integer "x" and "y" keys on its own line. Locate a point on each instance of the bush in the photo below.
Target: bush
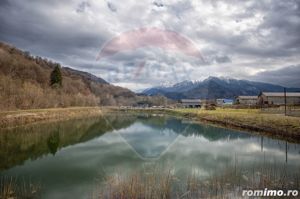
{"x": 17, "y": 94}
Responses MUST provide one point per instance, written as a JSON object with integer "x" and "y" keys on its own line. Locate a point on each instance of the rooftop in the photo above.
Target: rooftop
{"x": 191, "y": 100}
{"x": 247, "y": 97}
{"x": 281, "y": 94}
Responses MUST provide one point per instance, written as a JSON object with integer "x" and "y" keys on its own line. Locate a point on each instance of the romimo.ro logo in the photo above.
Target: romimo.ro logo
{"x": 270, "y": 192}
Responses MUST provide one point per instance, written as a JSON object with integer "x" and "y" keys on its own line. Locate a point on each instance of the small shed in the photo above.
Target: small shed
{"x": 278, "y": 98}
{"x": 221, "y": 102}
{"x": 191, "y": 103}
{"x": 247, "y": 100}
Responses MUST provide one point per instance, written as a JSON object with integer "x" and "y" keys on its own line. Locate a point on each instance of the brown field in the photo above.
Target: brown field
{"x": 22, "y": 117}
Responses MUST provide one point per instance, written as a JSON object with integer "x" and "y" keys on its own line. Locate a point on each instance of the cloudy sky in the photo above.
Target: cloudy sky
{"x": 255, "y": 40}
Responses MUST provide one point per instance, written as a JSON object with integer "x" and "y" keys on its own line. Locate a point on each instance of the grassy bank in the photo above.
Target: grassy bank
{"x": 275, "y": 125}
{"x": 228, "y": 183}
{"x": 11, "y": 188}
{"x": 22, "y": 117}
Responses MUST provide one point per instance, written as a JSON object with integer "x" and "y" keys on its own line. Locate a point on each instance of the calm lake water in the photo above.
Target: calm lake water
{"x": 69, "y": 159}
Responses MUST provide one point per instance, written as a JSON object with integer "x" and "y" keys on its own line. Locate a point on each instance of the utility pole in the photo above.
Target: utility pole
{"x": 262, "y": 143}
{"x": 286, "y": 151}
{"x": 284, "y": 101}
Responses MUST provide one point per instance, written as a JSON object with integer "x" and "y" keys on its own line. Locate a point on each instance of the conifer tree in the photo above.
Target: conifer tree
{"x": 55, "y": 77}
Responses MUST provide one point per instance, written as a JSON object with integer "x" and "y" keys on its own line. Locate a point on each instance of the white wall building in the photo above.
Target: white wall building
{"x": 247, "y": 100}
{"x": 191, "y": 103}
{"x": 277, "y": 98}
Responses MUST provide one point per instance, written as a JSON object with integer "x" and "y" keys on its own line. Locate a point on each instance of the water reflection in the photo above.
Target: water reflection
{"x": 31, "y": 142}
{"x": 68, "y": 156}
{"x": 150, "y": 137}
{"x": 53, "y": 142}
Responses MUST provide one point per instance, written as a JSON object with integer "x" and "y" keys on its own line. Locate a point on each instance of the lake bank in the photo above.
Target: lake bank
{"x": 23, "y": 117}
{"x": 274, "y": 125}
{"x": 252, "y": 120}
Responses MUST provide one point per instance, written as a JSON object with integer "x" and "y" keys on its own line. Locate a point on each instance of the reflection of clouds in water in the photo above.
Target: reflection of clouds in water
{"x": 199, "y": 149}
{"x": 209, "y": 155}
{"x": 108, "y": 138}
{"x": 147, "y": 141}
{"x": 252, "y": 147}
{"x": 205, "y": 149}
{"x": 150, "y": 140}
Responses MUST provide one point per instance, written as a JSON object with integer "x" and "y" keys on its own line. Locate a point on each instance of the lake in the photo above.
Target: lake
{"x": 72, "y": 159}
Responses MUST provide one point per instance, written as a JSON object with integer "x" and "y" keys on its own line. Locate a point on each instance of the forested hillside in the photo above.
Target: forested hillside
{"x": 25, "y": 84}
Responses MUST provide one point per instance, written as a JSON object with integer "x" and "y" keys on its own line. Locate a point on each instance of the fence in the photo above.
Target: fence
{"x": 290, "y": 110}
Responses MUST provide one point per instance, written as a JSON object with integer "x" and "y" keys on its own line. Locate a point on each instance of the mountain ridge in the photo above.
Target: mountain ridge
{"x": 214, "y": 87}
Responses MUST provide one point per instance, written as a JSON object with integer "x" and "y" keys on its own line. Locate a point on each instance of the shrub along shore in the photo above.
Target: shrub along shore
{"x": 253, "y": 120}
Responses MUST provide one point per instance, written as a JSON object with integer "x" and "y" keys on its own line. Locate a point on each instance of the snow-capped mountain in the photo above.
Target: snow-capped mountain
{"x": 214, "y": 87}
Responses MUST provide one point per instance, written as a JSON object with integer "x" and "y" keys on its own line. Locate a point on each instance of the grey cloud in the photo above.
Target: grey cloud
{"x": 112, "y": 7}
{"x": 181, "y": 7}
{"x": 222, "y": 59}
{"x": 158, "y": 4}
{"x": 280, "y": 18}
{"x": 257, "y": 35}
{"x": 46, "y": 35}
{"x": 83, "y": 6}
{"x": 287, "y": 76}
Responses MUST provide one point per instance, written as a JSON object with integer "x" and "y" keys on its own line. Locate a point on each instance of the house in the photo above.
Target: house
{"x": 278, "y": 98}
{"x": 191, "y": 103}
{"x": 143, "y": 104}
{"x": 221, "y": 102}
{"x": 247, "y": 100}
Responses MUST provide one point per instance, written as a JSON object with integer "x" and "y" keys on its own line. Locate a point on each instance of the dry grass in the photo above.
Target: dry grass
{"x": 138, "y": 185}
{"x": 247, "y": 117}
{"x": 229, "y": 183}
{"x": 22, "y": 117}
{"x": 11, "y": 188}
{"x": 253, "y": 120}
{"x": 277, "y": 125}
{"x": 19, "y": 94}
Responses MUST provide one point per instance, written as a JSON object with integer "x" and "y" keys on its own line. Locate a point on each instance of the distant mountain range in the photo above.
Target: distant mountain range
{"x": 214, "y": 87}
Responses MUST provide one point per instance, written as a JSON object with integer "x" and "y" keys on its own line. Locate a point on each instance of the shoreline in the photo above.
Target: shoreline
{"x": 11, "y": 119}
{"x": 252, "y": 121}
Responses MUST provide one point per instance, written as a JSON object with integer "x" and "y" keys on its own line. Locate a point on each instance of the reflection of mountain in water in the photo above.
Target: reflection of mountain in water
{"x": 146, "y": 141}
{"x": 73, "y": 171}
{"x": 148, "y": 135}
{"x": 33, "y": 141}
{"x": 106, "y": 124}
{"x": 151, "y": 136}
{"x": 187, "y": 128}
